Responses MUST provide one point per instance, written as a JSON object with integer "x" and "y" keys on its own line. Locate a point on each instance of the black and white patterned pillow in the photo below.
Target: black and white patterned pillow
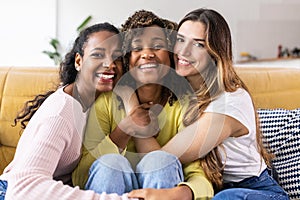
{"x": 281, "y": 131}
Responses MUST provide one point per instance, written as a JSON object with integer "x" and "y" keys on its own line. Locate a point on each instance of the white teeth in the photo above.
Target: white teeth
{"x": 105, "y": 76}
{"x": 148, "y": 66}
{"x": 183, "y": 62}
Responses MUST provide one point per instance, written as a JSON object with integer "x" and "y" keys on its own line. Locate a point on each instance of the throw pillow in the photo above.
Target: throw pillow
{"x": 281, "y": 131}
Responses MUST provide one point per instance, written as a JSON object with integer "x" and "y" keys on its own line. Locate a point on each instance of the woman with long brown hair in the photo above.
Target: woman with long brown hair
{"x": 222, "y": 130}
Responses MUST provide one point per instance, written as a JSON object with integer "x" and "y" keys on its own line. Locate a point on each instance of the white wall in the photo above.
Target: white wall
{"x": 275, "y": 24}
{"x": 258, "y": 26}
{"x": 25, "y": 28}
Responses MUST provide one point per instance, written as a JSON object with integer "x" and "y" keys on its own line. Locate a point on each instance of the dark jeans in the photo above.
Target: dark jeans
{"x": 263, "y": 187}
{"x": 3, "y": 187}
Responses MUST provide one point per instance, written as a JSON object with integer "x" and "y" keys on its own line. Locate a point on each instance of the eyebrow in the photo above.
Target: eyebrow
{"x": 98, "y": 49}
{"x": 153, "y": 39}
{"x": 159, "y": 38}
{"x": 103, "y": 49}
{"x": 196, "y": 39}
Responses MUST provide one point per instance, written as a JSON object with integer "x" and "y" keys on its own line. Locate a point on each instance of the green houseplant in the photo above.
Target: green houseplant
{"x": 55, "y": 55}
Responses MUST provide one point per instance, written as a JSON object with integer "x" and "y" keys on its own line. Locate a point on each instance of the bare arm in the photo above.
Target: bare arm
{"x": 119, "y": 138}
{"x": 193, "y": 141}
{"x": 199, "y": 138}
{"x": 146, "y": 145}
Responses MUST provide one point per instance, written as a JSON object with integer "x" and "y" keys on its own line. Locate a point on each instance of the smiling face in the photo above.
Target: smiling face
{"x": 101, "y": 63}
{"x": 149, "y": 60}
{"x": 191, "y": 56}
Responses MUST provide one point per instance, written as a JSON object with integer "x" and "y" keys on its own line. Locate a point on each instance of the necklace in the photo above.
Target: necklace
{"x": 78, "y": 97}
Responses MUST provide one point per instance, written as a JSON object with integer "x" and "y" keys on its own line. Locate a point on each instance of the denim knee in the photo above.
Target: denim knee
{"x": 159, "y": 169}
{"x": 157, "y": 160}
{"x": 111, "y": 173}
{"x": 113, "y": 162}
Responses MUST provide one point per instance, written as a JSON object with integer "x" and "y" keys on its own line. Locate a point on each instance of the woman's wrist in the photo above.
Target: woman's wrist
{"x": 119, "y": 138}
{"x": 184, "y": 192}
{"x": 127, "y": 127}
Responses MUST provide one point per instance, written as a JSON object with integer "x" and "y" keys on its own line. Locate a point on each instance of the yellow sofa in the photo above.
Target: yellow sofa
{"x": 270, "y": 88}
{"x": 17, "y": 85}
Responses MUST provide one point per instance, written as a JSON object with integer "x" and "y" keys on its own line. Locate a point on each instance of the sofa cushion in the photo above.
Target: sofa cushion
{"x": 281, "y": 131}
{"x": 272, "y": 87}
{"x": 18, "y": 85}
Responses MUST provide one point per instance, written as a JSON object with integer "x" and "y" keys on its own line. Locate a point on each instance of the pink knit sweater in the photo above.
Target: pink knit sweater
{"x": 47, "y": 153}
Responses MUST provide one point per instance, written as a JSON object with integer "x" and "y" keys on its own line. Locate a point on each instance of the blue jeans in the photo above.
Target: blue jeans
{"x": 112, "y": 173}
{"x": 3, "y": 187}
{"x": 263, "y": 187}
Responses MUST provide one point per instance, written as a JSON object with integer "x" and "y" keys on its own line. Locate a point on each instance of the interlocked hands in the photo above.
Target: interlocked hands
{"x": 141, "y": 120}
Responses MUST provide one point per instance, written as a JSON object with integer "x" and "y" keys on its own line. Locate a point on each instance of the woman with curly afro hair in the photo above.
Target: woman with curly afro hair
{"x": 159, "y": 92}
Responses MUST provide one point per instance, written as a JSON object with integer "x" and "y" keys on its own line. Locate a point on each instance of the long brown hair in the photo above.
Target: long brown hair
{"x": 217, "y": 78}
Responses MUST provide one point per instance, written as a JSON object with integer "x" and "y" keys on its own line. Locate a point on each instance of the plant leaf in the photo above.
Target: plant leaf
{"x": 54, "y": 43}
{"x": 84, "y": 23}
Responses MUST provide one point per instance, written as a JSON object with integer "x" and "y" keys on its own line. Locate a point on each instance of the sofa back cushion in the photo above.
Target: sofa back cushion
{"x": 17, "y": 86}
{"x": 272, "y": 87}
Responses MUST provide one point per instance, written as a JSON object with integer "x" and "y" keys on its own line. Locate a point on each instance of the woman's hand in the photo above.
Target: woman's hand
{"x": 180, "y": 193}
{"x": 141, "y": 122}
{"x": 128, "y": 96}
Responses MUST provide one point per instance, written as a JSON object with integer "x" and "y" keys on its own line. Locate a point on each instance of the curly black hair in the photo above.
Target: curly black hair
{"x": 133, "y": 27}
{"x": 67, "y": 71}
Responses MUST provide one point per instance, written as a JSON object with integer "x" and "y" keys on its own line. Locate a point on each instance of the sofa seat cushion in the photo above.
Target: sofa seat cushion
{"x": 281, "y": 131}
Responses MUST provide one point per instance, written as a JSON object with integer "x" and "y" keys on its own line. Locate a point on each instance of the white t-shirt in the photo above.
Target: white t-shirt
{"x": 241, "y": 157}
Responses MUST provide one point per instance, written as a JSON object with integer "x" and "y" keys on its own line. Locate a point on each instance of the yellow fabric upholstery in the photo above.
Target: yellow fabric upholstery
{"x": 17, "y": 85}
{"x": 270, "y": 88}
